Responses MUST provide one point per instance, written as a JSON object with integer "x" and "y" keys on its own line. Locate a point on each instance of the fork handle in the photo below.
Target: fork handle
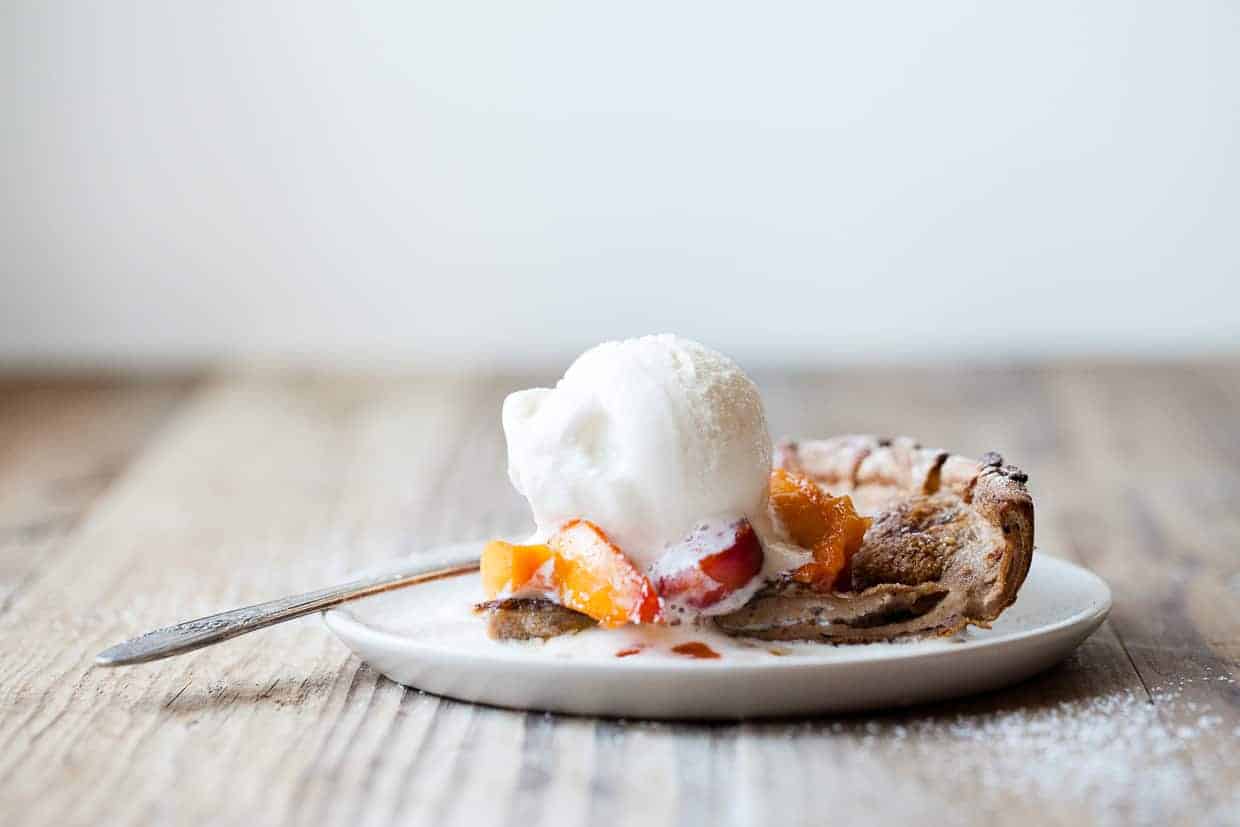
{"x": 205, "y": 631}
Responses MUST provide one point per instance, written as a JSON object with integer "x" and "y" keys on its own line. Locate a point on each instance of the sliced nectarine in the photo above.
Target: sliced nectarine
{"x": 507, "y": 567}
{"x": 829, "y": 526}
{"x": 594, "y": 577}
{"x": 587, "y": 572}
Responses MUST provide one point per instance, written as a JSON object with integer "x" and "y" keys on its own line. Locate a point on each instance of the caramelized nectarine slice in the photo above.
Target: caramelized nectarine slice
{"x": 829, "y": 526}
{"x": 509, "y": 568}
{"x": 716, "y": 559}
{"x": 587, "y": 572}
{"x": 594, "y": 577}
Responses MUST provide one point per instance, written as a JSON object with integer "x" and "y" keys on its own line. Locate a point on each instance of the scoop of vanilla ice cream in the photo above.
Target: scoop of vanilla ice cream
{"x": 645, "y": 437}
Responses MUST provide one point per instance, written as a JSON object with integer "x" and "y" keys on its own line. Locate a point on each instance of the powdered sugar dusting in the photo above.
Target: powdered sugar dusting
{"x": 1118, "y": 758}
{"x": 1113, "y": 754}
{"x": 1123, "y": 757}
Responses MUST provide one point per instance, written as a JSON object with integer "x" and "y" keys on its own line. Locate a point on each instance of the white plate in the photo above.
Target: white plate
{"x": 426, "y": 637}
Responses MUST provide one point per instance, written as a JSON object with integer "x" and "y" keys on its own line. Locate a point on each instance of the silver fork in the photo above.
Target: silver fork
{"x": 205, "y": 631}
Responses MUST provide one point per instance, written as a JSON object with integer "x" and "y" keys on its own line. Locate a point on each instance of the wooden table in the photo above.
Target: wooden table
{"x": 128, "y": 504}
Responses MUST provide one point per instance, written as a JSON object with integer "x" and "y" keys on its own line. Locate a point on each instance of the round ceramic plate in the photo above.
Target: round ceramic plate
{"x": 427, "y": 637}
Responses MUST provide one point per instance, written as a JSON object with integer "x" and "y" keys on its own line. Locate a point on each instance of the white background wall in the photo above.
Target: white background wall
{"x": 418, "y": 181}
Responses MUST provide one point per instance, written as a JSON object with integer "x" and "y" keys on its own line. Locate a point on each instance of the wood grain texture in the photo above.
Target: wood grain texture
{"x": 255, "y": 485}
{"x": 62, "y": 442}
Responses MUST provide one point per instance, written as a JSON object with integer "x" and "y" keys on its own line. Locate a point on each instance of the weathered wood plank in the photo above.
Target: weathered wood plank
{"x": 1148, "y": 447}
{"x": 62, "y": 442}
{"x": 261, "y": 488}
{"x": 268, "y": 484}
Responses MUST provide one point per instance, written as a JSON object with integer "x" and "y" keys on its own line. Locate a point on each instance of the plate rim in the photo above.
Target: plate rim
{"x": 891, "y": 651}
